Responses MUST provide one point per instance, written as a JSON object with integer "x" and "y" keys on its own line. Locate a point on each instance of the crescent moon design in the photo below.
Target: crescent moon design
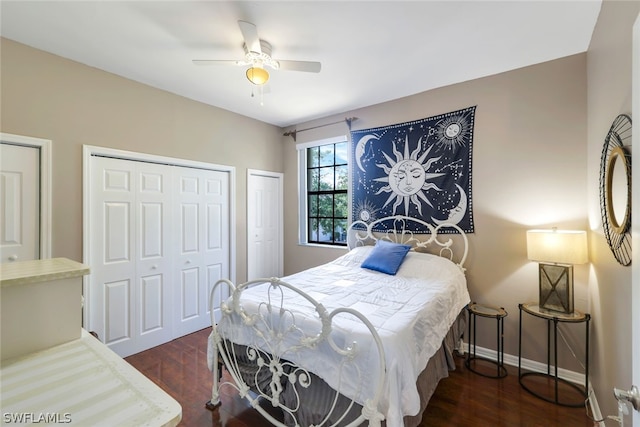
{"x": 457, "y": 213}
{"x": 359, "y": 152}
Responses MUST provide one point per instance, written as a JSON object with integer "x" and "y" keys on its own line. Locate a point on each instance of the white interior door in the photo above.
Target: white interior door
{"x": 203, "y": 243}
{"x": 264, "y": 224}
{"x": 40, "y": 186}
{"x": 19, "y": 203}
{"x": 131, "y": 265}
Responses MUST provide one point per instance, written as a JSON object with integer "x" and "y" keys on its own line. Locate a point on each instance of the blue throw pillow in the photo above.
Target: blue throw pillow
{"x": 386, "y": 257}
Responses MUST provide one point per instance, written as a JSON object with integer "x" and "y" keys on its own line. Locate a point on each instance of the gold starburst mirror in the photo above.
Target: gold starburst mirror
{"x": 615, "y": 188}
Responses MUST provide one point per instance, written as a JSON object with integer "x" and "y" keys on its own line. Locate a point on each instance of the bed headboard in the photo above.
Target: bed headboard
{"x": 439, "y": 240}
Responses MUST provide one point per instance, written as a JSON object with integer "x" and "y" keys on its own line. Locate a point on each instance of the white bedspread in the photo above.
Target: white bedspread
{"x": 411, "y": 311}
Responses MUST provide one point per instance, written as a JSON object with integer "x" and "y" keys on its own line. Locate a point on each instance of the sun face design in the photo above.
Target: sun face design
{"x": 408, "y": 178}
{"x": 452, "y": 131}
{"x": 366, "y": 211}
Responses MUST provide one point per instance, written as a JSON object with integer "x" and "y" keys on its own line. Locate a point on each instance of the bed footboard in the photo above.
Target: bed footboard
{"x": 281, "y": 346}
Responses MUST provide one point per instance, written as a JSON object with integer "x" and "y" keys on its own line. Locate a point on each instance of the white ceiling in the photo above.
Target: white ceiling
{"x": 371, "y": 51}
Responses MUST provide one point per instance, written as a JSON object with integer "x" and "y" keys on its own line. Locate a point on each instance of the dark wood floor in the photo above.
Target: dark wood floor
{"x": 464, "y": 399}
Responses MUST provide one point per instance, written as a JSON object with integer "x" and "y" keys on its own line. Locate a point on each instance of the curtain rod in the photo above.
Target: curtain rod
{"x": 293, "y": 133}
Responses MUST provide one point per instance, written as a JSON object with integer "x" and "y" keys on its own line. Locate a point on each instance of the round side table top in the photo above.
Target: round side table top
{"x": 486, "y": 310}
{"x": 536, "y": 310}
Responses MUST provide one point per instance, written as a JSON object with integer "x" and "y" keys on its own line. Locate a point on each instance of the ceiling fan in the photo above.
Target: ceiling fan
{"x": 258, "y": 56}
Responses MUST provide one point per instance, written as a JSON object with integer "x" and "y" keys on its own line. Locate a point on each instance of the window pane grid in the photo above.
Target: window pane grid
{"x": 327, "y": 182}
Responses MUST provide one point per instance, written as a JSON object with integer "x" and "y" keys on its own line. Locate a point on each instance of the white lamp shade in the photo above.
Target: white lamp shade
{"x": 557, "y": 246}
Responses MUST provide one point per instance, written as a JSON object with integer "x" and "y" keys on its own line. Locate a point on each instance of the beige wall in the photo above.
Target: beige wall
{"x": 529, "y": 170}
{"x": 609, "y": 88}
{"x": 71, "y": 104}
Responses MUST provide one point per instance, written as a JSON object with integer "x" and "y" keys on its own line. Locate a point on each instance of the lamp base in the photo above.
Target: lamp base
{"x": 556, "y": 287}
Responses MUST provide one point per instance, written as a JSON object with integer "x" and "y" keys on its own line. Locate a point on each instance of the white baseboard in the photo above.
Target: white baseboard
{"x": 533, "y": 366}
{"x": 595, "y": 409}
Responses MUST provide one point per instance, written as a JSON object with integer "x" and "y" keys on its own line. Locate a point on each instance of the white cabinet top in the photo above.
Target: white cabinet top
{"x": 83, "y": 383}
{"x": 41, "y": 270}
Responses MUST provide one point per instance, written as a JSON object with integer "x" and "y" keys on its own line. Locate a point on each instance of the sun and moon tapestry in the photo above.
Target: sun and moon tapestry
{"x": 420, "y": 169}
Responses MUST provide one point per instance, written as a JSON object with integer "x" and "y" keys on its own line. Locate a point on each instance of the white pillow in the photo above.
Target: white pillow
{"x": 419, "y": 265}
{"x": 354, "y": 258}
{"x": 424, "y": 265}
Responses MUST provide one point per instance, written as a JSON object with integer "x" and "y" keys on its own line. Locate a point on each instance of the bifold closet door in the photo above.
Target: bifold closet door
{"x": 160, "y": 240}
{"x": 202, "y": 241}
{"x": 131, "y": 265}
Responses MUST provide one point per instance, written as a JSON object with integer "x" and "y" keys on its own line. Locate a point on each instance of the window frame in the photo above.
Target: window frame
{"x": 303, "y": 194}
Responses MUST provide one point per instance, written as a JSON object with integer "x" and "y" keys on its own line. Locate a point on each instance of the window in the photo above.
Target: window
{"x": 324, "y": 173}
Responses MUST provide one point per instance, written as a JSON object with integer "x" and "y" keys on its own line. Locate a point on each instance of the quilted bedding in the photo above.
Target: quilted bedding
{"x": 412, "y": 312}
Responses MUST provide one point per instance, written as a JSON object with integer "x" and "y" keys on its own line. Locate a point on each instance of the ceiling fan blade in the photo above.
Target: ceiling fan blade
{"x": 216, "y": 62}
{"x": 250, "y": 34}
{"x": 307, "y": 66}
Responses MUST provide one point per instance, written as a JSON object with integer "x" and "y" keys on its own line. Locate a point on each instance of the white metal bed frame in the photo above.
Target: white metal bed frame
{"x": 274, "y": 324}
{"x": 398, "y": 232}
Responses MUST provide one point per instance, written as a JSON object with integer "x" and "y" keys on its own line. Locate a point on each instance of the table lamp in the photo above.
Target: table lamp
{"x": 556, "y": 252}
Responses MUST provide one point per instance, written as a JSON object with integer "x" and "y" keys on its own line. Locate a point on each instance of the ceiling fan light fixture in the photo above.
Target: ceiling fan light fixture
{"x": 257, "y": 75}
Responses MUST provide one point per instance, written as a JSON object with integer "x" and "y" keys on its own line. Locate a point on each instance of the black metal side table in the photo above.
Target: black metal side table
{"x": 553, "y": 318}
{"x": 499, "y": 314}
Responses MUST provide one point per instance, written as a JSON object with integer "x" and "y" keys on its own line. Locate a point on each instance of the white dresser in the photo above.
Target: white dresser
{"x": 83, "y": 383}
{"x": 41, "y": 304}
{"x": 52, "y": 370}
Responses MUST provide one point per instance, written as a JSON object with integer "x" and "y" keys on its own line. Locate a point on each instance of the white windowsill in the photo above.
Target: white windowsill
{"x": 317, "y": 245}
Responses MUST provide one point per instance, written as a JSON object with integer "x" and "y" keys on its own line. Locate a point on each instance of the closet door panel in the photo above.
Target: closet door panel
{"x": 117, "y": 308}
{"x": 117, "y": 232}
{"x": 152, "y": 230}
{"x": 189, "y": 294}
{"x": 151, "y": 304}
{"x": 218, "y": 237}
{"x": 113, "y": 267}
{"x": 214, "y": 227}
{"x": 130, "y": 301}
{"x": 190, "y": 229}
{"x": 190, "y": 194}
{"x": 204, "y": 236}
{"x": 153, "y": 255}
